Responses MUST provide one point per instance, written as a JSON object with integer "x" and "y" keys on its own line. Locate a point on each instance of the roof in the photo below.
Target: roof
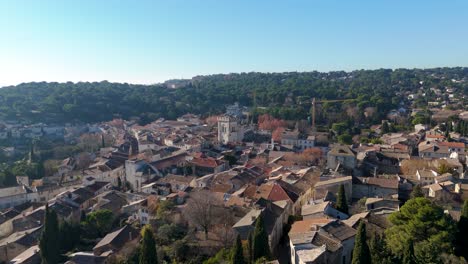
{"x": 30, "y": 255}
{"x": 249, "y": 218}
{"x": 310, "y": 255}
{"x": 334, "y": 181}
{"x": 118, "y": 238}
{"x": 434, "y": 187}
{"x": 341, "y": 150}
{"x": 207, "y": 162}
{"x": 26, "y": 238}
{"x": 354, "y": 219}
{"x": 308, "y": 225}
{"x": 381, "y": 182}
{"x": 310, "y": 209}
{"x": 339, "y": 230}
{"x": 302, "y": 238}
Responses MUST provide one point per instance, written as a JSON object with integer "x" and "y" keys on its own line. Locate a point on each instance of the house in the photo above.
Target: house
{"x": 111, "y": 200}
{"x": 138, "y": 211}
{"x": 333, "y": 184}
{"x": 320, "y": 241}
{"x": 432, "y": 150}
{"x": 437, "y": 191}
{"x": 18, "y": 242}
{"x": 203, "y": 165}
{"x": 380, "y": 204}
{"x": 116, "y": 240}
{"x": 137, "y": 172}
{"x": 341, "y": 155}
{"x": 275, "y": 217}
{"x": 426, "y": 177}
{"x": 321, "y": 210}
{"x": 374, "y": 187}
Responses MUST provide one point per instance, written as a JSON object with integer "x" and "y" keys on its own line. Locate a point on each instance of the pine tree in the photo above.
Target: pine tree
{"x": 49, "y": 241}
{"x": 341, "y": 203}
{"x": 237, "y": 252}
{"x": 148, "y": 254}
{"x": 261, "y": 247}
{"x": 408, "y": 254}
{"x": 417, "y": 192}
{"x": 361, "y": 252}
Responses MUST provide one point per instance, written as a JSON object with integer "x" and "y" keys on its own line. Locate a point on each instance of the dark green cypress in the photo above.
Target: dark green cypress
{"x": 237, "y": 252}
{"x": 49, "y": 241}
{"x": 417, "y": 192}
{"x": 361, "y": 252}
{"x": 341, "y": 203}
{"x": 148, "y": 254}
{"x": 408, "y": 254}
{"x": 461, "y": 241}
{"x": 261, "y": 247}
{"x": 250, "y": 247}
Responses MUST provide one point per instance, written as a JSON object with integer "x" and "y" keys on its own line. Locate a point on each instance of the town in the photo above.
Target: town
{"x": 204, "y": 187}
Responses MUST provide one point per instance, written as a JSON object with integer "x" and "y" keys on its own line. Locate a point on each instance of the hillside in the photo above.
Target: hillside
{"x": 286, "y": 95}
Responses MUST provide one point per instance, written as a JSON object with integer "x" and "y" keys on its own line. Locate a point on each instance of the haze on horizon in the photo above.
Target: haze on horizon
{"x": 153, "y": 41}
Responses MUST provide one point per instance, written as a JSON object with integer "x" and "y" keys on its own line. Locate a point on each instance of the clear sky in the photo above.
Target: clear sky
{"x": 150, "y": 41}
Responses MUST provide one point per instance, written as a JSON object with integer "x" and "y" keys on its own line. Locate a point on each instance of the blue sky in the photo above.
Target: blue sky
{"x": 152, "y": 41}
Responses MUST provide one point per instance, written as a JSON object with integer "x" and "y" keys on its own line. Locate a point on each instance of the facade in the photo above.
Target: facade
{"x": 341, "y": 155}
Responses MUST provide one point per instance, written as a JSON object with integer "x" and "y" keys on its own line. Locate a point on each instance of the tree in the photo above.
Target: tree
{"x": 201, "y": 210}
{"x": 417, "y": 191}
{"x": 261, "y": 247}
{"x": 148, "y": 254}
{"x": 461, "y": 242}
{"x": 408, "y": 254}
{"x": 379, "y": 250}
{"x": 385, "y": 128}
{"x": 237, "y": 252}
{"x": 426, "y": 224}
{"x": 69, "y": 236}
{"x": 99, "y": 223}
{"x": 49, "y": 241}
{"x": 361, "y": 252}
{"x": 250, "y": 247}
{"x": 346, "y": 139}
{"x": 443, "y": 168}
{"x": 341, "y": 202}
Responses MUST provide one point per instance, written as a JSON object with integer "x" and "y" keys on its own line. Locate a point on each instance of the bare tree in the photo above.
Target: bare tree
{"x": 201, "y": 210}
{"x": 223, "y": 230}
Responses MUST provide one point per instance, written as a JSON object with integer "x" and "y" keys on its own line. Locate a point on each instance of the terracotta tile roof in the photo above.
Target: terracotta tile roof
{"x": 452, "y": 144}
{"x": 208, "y": 162}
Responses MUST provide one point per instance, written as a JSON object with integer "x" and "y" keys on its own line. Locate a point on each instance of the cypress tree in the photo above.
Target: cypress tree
{"x": 148, "y": 254}
{"x": 261, "y": 247}
{"x": 385, "y": 128}
{"x": 237, "y": 252}
{"x": 250, "y": 247}
{"x": 417, "y": 192}
{"x": 341, "y": 203}
{"x": 361, "y": 252}
{"x": 408, "y": 254}
{"x": 49, "y": 241}
{"x": 461, "y": 241}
